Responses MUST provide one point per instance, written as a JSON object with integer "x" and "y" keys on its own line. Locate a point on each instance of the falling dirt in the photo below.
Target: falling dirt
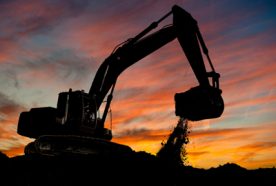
{"x": 174, "y": 150}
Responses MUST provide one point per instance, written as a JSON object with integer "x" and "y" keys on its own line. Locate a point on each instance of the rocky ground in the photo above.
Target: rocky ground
{"x": 139, "y": 169}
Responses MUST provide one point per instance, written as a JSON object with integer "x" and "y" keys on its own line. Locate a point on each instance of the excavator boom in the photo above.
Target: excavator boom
{"x": 184, "y": 28}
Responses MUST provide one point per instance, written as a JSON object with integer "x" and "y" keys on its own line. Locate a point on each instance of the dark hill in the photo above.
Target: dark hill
{"x": 138, "y": 169}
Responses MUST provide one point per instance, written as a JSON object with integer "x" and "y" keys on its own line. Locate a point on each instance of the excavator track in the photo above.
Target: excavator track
{"x": 68, "y": 145}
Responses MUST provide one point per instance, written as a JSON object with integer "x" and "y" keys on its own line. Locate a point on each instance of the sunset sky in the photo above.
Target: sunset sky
{"x": 49, "y": 46}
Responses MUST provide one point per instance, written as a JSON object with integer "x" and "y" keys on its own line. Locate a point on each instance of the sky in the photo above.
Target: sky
{"x": 49, "y": 46}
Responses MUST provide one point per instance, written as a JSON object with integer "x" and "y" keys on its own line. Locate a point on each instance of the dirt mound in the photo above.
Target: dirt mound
{"x": 140, "y": 168}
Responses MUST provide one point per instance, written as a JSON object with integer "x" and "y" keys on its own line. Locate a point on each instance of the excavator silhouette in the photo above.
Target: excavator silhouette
{"x": 74, "y": 127}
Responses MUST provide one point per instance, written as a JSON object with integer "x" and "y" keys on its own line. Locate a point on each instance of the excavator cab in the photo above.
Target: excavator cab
{"x": 72, "y": 116}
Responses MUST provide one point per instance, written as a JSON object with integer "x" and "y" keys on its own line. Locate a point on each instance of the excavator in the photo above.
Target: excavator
{"x": 75, "y": 126}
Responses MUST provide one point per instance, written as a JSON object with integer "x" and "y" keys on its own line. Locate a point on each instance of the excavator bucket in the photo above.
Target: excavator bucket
{"x": 199, "y": 103}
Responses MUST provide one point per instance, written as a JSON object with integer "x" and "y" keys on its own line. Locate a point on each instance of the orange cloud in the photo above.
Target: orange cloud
{"x": 211, "y": 147}
{"x": 245, "y": 146}
{"x": 14, "y": 151}
{"x": 142, "y": 139}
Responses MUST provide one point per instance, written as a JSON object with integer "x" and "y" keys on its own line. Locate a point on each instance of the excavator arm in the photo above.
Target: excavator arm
{"x": 184, "y": 28}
